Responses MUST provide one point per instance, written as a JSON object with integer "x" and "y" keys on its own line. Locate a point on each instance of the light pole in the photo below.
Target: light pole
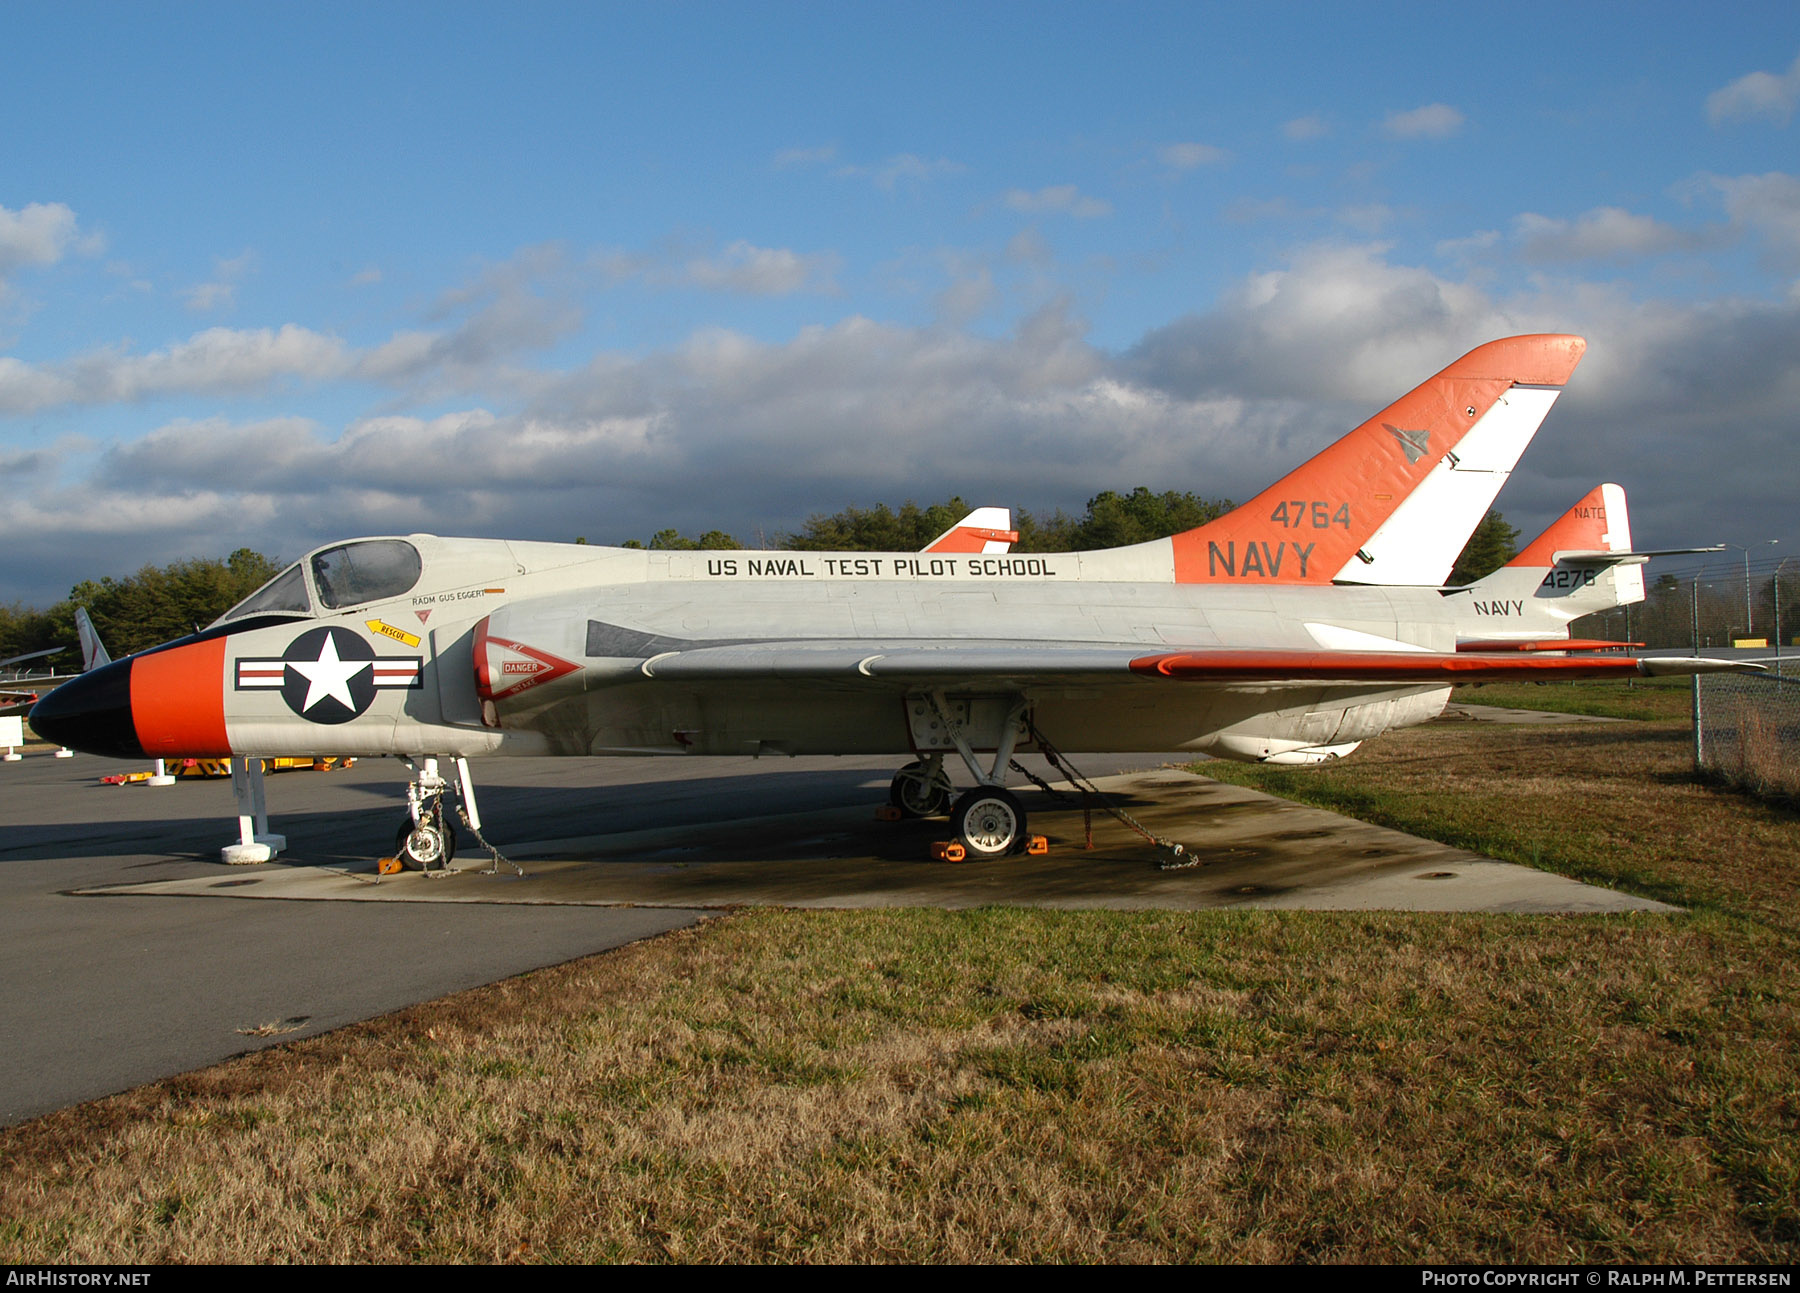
{"x": 1778, "y": 567}
{"x": 1749, "y": 624}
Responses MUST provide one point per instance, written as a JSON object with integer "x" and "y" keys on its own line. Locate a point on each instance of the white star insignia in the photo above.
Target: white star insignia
{"x": 328, "y": 675}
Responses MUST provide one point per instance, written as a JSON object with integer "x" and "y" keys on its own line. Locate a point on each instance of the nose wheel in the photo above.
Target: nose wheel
{"x": 428, "y": 845}
{"x": 426, "y": 840}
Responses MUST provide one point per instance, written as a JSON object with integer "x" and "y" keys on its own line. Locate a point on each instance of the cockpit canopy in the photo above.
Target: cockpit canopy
{"x": 349, "y": 574}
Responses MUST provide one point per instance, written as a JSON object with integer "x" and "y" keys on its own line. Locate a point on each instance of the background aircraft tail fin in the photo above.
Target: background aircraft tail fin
{"x": 1583, "y": 563}
{"x": 986, "y": 529}
{"x": 1598, "y": 524}
{"x": 93, "y": 651}
{"x": 1398, "y": 497}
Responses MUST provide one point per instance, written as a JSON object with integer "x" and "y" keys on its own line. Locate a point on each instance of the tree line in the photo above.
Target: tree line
{"x": 154, "y": 605}
{"x": 1111, "y": 520}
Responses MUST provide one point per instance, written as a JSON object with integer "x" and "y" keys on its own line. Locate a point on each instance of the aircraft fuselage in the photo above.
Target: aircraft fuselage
{"x": 507, "y": 648}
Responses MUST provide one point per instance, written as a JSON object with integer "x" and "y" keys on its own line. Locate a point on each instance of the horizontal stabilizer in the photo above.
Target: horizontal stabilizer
{"x": 1549, "y": 644}
{"x": 1598, "y": 556}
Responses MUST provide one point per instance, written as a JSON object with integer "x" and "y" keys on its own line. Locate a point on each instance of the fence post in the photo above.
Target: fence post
{"x": 1699, "y": 743}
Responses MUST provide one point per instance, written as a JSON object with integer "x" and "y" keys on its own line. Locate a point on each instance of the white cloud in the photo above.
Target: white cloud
{"x": 902, "y": 168}
{"x": 1185, "y": 157}
{"x": 1687, "y": 405}
{"x": 1062, "y": 198}
{"x": 1475, "y": 246}
{"x": 41, "y": 234}
{"x": 221, "y": 292}
{"x": 1301, "y": 129}
{"x": 740, "y": 267}
{"x": 762, "y": 271}
{"x": 1760, "y": 94}
{"x": 1605, "y": 233}
{"x": 216, "y": 360}
{"x": 1433, "y": 121}
{"x": 1769, "y": 207}
{"x": 202, "y": 298}
{"x": 967, "y": 296}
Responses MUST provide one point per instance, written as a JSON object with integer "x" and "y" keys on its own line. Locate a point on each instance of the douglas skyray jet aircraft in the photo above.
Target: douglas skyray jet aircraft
{"x": 1288, "y": 630}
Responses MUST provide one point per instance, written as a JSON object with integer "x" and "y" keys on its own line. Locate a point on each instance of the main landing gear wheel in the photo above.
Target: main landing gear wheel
{"x": 917, "y": 793}
{"x": 428, "y": 846}
{"x": 990, "y": 822}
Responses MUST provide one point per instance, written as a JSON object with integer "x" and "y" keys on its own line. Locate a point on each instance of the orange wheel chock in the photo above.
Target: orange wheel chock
{"x": 949, "y": 851}
{"x": 888, "y": 813}
{"x": 1037, "y": 846}
{"x": 388, "y": 866}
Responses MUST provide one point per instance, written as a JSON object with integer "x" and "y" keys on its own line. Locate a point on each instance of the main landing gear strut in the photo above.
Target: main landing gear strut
{"x": 988, "y": 820}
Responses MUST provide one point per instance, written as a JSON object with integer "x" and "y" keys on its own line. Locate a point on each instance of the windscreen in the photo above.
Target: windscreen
{"x": 284, "y": 594}
{"x": 369, "y": 571}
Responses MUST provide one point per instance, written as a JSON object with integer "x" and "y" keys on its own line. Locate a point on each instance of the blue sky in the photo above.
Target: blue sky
{"x": 274, "y": 276}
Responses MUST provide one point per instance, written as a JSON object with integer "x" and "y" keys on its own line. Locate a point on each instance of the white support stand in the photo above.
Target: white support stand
{"x": 468, "y": 794}
{"x": 161, "y": 777}
{"x": 12, "y": 732}
{"x": 64, "y": 753}
{"x": 255, "y": 843}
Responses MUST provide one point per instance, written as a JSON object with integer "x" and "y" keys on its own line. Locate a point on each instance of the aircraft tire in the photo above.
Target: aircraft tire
{"x": 990, "y": 822}
{"x": 915, "y": 796}
{"x": 429, "y": 846}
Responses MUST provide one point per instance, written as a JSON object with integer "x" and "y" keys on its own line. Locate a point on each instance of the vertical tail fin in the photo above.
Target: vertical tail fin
{"x": 93, "y": 651}
{"x": 1598, "y": 523}
{"x": 986, "y": 529}
{"x": 1581, "y": 564}
{"x": 1398, "y": 497}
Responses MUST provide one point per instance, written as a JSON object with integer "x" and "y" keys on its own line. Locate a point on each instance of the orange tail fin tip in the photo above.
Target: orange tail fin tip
{"x": 1598, "y": 523}
{"x": 1313, "y": 523}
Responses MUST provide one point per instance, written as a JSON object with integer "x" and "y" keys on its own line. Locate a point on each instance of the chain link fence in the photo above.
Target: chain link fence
{"x": 1747, "y": 730}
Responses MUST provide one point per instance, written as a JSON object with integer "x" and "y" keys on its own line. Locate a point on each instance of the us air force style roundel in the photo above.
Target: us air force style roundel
{"x": 329, "y": 675}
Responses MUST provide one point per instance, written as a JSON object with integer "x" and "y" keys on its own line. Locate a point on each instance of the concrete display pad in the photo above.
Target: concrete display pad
{"x": 1249, "y": 850}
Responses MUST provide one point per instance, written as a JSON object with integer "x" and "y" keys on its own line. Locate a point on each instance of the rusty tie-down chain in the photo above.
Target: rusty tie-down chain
{"x": 1175, "y": 857}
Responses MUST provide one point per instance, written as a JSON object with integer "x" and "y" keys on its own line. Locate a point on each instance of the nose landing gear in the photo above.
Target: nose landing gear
{"x": 426, "y": 840}
{"x": 428, "y": 844}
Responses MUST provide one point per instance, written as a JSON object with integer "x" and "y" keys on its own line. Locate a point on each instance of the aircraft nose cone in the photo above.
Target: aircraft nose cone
{"x": 91, "y": 713}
